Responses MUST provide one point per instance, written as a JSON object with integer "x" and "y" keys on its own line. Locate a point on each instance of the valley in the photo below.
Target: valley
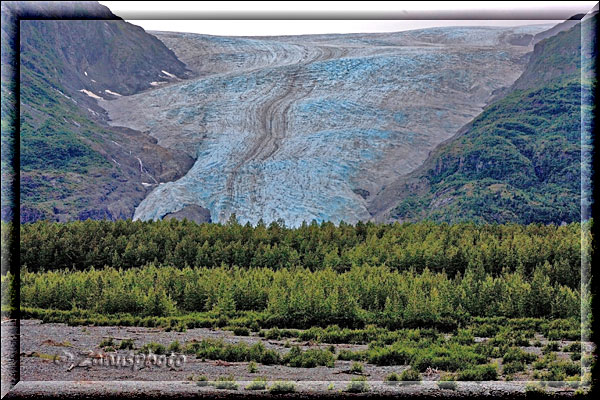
{"x": 312, "y": 127}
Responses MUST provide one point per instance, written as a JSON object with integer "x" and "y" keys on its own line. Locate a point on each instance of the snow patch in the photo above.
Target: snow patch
{"x": 111, "y": 92}
{"x": 85, "y": 72}
{"x": 168, "y": 74}
{"x": 92, "y": 95}
{"x": 156, "y": 83}
{"x": 146, "y": 184}
{"x": 93, "y": 81}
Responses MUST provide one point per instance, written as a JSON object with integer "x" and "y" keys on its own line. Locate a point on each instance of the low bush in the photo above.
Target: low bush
{"x": 349, "y": 355}
{"x": 126, "y": 344}
{"x": 174, "y": 347}
{"x": 566, "y": 368}
{"x": 399, "y": 353}
{"x": 512, "y": 367}
{"x": 153, "y": 347}
{"x": 106, "y": 342}
{"x": 464, "y": 337}
{"x": 479, "y": 373}
{"x": 219, "y": 350}
{"x": 392, "y": 378}
{"x": 515, "y": 354}
{"x": 252, "y": 367}
{"x": 447, "y": 382}
{"x": 309, "y": 358}
{"x": 225, "y": 382}
{"x": 551, "y": 346}
{"x": 282, "y": 387}
{"x": 358, "y": 385}
{"x": 357, "y": 368}
{"x": 241, "y": 331}
{"x": 257, "y": 384}
{"x": 410, "y": 375}
{"x": 202, "y": 380}
{"x": 574, "y": 347}
{"x": 485, "y": 330}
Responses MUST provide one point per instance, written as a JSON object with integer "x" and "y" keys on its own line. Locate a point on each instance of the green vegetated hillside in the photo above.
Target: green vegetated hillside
{"x": 518, "y": 161}
{"x": 72, "y": 164}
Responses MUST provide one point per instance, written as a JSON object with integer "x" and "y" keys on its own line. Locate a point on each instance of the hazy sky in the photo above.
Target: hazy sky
{"x": 183, "y": 16}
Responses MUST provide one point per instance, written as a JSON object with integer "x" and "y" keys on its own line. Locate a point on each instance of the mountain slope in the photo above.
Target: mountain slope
{"x": 519, "y": 161}
{"x": 73, "y": 165}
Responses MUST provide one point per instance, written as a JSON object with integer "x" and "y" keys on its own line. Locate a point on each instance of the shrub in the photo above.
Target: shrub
{"x": 485, "y": 330}
{"x": 272, "y": 334}
{"x": 464, "y": 336}
{"x": 309, "y": 358}
{"x": 241, "y": 331}
{"x": 447, "y": 382}
{"x": 107, "y": 342}
{"x": 515, "y": 354}
{"x": 450, "y": 357}
{"x": 574, "y": 347}
{"x": 202, "y": 380}
{"x": 349, "y": 355}
{"x": 281, "y": 387}
{"x": 127, "y": 344}
{"x": 566, "y": 368}
{"x": 411, "y": 375}
{"x": 252, "y": 367}
{"x": 512, "y": 367}
{"x": 174, "y": 347}
{"x": 534, "y": 390}
{"x": 551, "y": 346}
{"x": 153, "y": 347}
{"x": 399, "y": 353}
{"x": 257, "y": 384}
{"x": 357, "y": 368}
{"x": 358, "y": 385}
{"x": 225, "y": 382}
{"x": 479, "y": 373}
{"x": 254, "y": 326}
{"x": 392, "y": 378}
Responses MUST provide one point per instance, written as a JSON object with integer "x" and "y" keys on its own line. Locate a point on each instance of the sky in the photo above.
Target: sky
{"x": 283, "y": 18}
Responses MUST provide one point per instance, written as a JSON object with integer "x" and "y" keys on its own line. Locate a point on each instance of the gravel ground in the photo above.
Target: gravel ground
{"x": 63, "y": 360}
{"x": 9, "y": 352}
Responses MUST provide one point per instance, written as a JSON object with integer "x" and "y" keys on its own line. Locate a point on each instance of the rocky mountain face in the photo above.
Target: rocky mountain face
{"x": 72, "y": 164}
{"x": 314, "y": 127}
{"x": 521, "y": 159}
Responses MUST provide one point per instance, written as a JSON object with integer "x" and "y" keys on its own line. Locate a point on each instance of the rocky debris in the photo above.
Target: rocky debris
{"x": 191, "y": 213}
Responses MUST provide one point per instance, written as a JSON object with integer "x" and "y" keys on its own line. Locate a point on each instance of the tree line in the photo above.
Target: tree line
{"x": 437, "y": 247}
{"x": 298, "y": 297}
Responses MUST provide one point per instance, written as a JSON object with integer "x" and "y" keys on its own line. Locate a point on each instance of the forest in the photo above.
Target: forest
{"x": 397, "y": 275}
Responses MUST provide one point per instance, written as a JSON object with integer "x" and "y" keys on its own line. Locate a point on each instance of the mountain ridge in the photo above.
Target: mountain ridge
{"x": 72, "y": 164}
